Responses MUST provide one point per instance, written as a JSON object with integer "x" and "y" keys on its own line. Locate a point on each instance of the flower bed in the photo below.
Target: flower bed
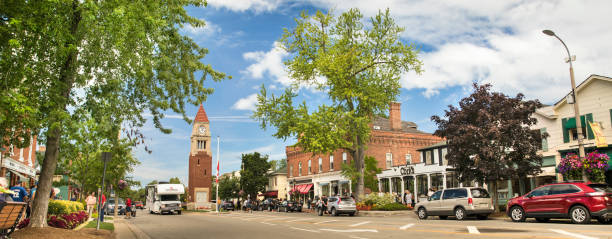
{"x": 62, "y": 214}
{"x": 385, "y": 202}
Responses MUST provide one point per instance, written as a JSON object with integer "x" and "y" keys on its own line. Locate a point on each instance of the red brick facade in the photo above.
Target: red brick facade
{"x": 25, "y": 156}
{"x": 388, "y": 136}
{"x": 200, "y": 173}
{"x": 200, "y": 158}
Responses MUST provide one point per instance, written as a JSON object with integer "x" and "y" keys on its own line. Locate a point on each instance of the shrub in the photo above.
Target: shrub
{"x": 58, "y": 207}
{"x": 374, "y": 199}
{"x": 68, "y": 221}
{"x": 390, "y": 207}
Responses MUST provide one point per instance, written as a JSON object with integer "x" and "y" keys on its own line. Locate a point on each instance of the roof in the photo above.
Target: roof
{"x": 582, "y": 85}
{"x": 201, "y": 115}
{"x": 385, "y": 125}
{"x": 433, "y": 146}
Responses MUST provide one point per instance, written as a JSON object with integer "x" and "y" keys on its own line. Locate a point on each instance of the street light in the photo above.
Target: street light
{"x": 576, "y": 109}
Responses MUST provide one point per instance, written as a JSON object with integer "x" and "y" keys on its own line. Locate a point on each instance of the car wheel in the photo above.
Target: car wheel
{"x": 460, "y": 213}
{"x": 422, "y": 213}
{"x": 580, "y": 215}
{"x": 482, "y": 217}
{"x": 542, "y": 219}
{"x": 179, "y": 212}
{"x": 517, "y": 214}
{"x": 604, "y": 220}
{"x": 334, "y": 212}
{"x": 443, "y": 217}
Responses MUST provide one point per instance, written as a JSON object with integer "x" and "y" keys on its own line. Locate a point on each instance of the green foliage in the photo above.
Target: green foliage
{"x": 390, "y": 207}
{"x": 253, "y": 176}
{"x": 371, "y": 169}
{"x": 229, "y": 188}
{"x": 58, "y": 207}
{"x": 374, "y": 199}
{"x": 358, "y": 66}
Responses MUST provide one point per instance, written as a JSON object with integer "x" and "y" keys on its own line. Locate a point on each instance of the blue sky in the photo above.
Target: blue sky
{"x": 497, "y": 42}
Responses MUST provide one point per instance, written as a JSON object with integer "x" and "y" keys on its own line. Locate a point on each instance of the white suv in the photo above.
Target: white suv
{"x": 341, "y": 205}
{"x": 458, "y": 202}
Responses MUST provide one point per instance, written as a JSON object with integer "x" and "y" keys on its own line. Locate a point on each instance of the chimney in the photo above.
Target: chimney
{"x": 395, "y": 117}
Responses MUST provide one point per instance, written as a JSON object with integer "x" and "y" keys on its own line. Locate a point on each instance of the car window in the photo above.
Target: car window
{"x": 449, "y": 194}
{"x": 436, "y": 196}
{"x": 563, "y": 189}
{"x": 349, "y": 199}
{"x": 601, "y": 188}
{"x": 543, "y": 191}
{"x": 333, "y": 199}
{"x": 479, "y": 193}
{"x": 461, "y": 193}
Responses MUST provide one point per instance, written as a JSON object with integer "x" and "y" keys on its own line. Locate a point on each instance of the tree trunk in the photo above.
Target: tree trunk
{"x": 41, "y": 204}
{"x": 360, "y": 167}
{"x": 117, "y": 203}
{"x": 495, "y": 198}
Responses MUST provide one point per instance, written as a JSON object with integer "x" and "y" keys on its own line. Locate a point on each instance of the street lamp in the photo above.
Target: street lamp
{"x": 576, "y": 109}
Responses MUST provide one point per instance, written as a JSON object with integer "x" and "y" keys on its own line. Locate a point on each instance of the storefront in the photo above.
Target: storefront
{"x": 299, "y": 190}
{"x": 331, "y": 184}
{"x": 17, "y": 172}
{"x": 417, "y": 178}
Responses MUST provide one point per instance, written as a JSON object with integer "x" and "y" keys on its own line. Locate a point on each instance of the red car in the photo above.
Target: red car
{"x": 138, "y": 205}
{"x": 577, "y": 201}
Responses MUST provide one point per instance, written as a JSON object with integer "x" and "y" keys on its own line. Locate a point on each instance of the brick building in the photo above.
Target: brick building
{"x": 393, "y": 142}
{"x": 18, "y": 165}
{"x": 200, "y": 162}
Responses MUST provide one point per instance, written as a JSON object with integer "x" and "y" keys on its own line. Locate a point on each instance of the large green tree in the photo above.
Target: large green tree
{"x": 123, "y": 56}
{"x": 229, "y": 188}
{"x": 357, "y": 66}
{"x": 254, "y": 173}
{"x": 489, "y": 137}
{"x": 369, "y": 177}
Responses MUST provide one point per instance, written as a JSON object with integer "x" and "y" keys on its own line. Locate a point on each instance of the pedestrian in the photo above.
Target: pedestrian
{"x": 91, "y": 203}
{"x": 128, "y": 208}
{"x": 430, "y": 192}
{"x": 19, "y": 193}
{"x": 408, "y": 198}
{"x": 102, "y": 207}
{"x": 308, "y": 202}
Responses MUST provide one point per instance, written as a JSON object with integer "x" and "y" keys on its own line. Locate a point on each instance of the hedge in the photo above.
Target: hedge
{"x": 58, "y": 207}
{"x": 390, "y": 207}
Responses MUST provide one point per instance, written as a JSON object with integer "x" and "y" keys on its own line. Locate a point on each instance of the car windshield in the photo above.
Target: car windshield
{"x": 480, "y": 193}
{"x": 112, "y": 201}
{"x": 346, "y": 199}
{"x": 173, "y": 197}
{"x": 601, "y": 188}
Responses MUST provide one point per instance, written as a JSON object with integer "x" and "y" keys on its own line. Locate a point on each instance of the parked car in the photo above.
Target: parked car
{"x": 577, "y": 201}
{"x": 110, "y": 207}
{"x": 341, "y": 205}
{"x": 289, "y": 206}
{"x": 267, "y": 205}
{"x": 228, "y": 206}
{"x": 458, "y": 202}
{"x": 138, "y": 205}
{"x": 282, "y": 207}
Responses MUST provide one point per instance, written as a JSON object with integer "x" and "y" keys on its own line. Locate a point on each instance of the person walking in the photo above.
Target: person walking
{"x": 19, "y": 193}
{"x": 408, "y": 199}
{"x": 102, "y": 207}
{"x": 128, "y": 208}
{"x": 91, "y": 203}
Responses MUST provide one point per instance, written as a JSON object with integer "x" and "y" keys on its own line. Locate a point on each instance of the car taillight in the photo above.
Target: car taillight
{"x": 596, "y": 194}
{"x": 339, "y": 200}
{"x": 470, "y": 202}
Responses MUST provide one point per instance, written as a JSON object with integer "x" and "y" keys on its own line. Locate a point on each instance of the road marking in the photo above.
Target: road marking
{"x": 350, "y": 230}
{"x": 302, "y": 229}
{"x": 325, "y": 221}
{"x": 572, "y": 234}
{"x": 301, "y": 219}
{"x": 473, "y": 230}
{"x": 268, "y": 223}
{"x": 359, "y": 224}
{"x": 404, "y": 227}
{"x": 356, "y": 237}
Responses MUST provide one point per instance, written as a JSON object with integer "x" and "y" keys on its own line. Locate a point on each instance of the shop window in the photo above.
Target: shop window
{"x": 408, "y": 158}
{"x": 389, "y": 160}
{"x": 331, "y": 163}
{"x": 320, "y": 165}
{"x": 344, "y": 157}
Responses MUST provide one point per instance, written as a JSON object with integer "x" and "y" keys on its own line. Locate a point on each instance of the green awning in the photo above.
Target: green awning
{"x": 571, "y": 123}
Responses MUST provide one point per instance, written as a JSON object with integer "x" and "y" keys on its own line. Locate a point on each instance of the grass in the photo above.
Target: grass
{"x": 103, "y": 225}
{"x": 200, "y": 210}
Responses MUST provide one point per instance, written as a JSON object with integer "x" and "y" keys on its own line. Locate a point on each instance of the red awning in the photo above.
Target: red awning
{"x": 305, "y": 188}
{"x": 272, "y": 193}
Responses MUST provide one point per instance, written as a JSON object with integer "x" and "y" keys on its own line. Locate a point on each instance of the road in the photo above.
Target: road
{"x": 260, "y": 225}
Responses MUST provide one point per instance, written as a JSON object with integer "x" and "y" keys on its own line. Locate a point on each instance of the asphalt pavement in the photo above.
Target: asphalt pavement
{"x": 260, "y": 225}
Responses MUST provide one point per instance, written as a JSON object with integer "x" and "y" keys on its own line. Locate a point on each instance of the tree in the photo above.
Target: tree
{"x": 358, "y": 67}
{"x": 120, "y": 56}
{"x": 278, "y": 164}
{"x": 369, "y": 179}
{"x": 253, "y": 176}
{"x": 489, "y": 137}
{"x": 229, "y": 188}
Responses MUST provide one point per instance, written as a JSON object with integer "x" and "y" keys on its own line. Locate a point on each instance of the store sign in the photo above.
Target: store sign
{"x": 600, "y": 139}
{"x": 407, "y": 170}
{"x": 11, "y": 164}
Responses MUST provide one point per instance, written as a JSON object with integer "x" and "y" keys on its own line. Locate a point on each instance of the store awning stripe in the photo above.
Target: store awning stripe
{"x": 306, "y": 188}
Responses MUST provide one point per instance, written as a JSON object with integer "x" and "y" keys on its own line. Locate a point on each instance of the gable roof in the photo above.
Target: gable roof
{"x": 201, "y": 115}
{"x": 385, "y": 125}
{"x": 581, "y": 86}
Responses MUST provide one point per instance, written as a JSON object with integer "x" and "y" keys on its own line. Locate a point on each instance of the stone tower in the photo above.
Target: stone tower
{"x": 200, "y": 162}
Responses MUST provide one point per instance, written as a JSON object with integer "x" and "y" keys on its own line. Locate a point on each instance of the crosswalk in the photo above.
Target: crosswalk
{"x": 360, "y": 227}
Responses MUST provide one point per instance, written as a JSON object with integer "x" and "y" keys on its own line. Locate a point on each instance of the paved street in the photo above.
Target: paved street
{"x": 303, "y": 225}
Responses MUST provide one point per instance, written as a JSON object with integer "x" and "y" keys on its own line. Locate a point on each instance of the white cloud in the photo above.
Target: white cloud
{"x": 208, "y": 30}
{"x": 244, "y": 5}
{"x": 247, "y": 103}
{"x": 268, "y": 63}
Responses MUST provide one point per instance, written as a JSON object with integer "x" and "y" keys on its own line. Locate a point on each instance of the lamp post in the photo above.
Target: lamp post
{"x": 576, "y": 108}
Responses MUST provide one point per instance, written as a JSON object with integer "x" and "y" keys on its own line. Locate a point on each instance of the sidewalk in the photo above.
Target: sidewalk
{"x": 124, "y": 229}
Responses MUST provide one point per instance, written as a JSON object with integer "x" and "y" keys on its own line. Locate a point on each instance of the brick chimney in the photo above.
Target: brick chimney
{"x": 395, "y": 116}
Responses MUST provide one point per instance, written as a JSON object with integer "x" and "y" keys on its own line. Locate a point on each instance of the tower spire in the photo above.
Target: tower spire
{"x": 201, "y": 115}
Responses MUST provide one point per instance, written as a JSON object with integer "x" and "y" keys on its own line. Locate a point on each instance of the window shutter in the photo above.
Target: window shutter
{"x": 565, "y": 132}
{"x": 589, "y": 118}
{"x": 544, "y": 140}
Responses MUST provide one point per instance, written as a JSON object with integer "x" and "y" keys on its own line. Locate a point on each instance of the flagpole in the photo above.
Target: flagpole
{"x": 217, "y": 179}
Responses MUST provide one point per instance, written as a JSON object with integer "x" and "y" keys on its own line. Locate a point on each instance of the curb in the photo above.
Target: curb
{"x": 134, "y": 231}
{"x": 83, "y": 224}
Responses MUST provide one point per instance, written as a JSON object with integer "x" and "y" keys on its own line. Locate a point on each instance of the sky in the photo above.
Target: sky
{"x": 460, "y": 42}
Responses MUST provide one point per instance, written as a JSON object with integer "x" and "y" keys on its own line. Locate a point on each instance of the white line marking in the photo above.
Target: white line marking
{"x": 404, "y": 227}
{"x": 356, "y": 237}
{"x": 351, "y": 230}
{"x": 301, "y": 219}
{"x": 572, "y": 234}
{"x": 359, "y": 224}
{"x": 325, "y": 221}
{"x": 302, "y": 229}
{"x": 268, "y": 223}
{"x": 473, "y": 230}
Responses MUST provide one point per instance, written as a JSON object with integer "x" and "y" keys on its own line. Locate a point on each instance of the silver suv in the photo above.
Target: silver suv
{"x": 341, "y": 205}
{"x": 458, "y": 202}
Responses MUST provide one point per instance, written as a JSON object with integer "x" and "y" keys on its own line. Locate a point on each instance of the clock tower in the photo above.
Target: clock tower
{"x": 200, "y": 162}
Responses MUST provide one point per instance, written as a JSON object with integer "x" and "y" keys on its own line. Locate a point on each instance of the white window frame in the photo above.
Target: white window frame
{"x": 408, "y": 158}
{"x": 309, "y": 166}
{"x": 300, "y": 169}
{"x": 320, "y": 165}
{"x": 331, "y": 163}
{"x": 389, "y": 160}
{"x": 344, "y": 158}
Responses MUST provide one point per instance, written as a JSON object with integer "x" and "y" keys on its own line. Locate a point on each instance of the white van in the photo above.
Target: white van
{"x": 164, "y": 198}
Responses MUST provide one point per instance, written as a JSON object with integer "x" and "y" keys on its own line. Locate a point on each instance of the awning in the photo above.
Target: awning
{"x": 571, "y": 123}
{"x": 305, "y": 188}
{"x": 269, "y": 194}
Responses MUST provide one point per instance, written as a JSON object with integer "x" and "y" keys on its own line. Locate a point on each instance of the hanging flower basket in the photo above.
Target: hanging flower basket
{"x": 570, "y": 167}
{"x": 595, "y": 165}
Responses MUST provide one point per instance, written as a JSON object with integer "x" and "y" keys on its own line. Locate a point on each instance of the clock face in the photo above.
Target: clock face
{"x": 202, "y": 129}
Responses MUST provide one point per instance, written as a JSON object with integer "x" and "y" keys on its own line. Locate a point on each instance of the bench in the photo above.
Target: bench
{"x": 10, "y": 214}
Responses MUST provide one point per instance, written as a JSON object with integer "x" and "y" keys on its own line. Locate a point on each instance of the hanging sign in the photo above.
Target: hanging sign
{"x": 600, "y": 139}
